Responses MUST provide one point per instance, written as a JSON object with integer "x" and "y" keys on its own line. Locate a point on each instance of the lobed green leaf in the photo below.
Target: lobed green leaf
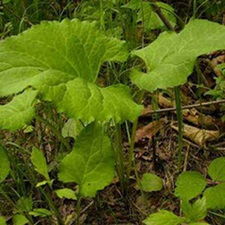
{"x": 88, "y": 102}
{"x": 171, "y": 58}
{"x": 55, "y": 52}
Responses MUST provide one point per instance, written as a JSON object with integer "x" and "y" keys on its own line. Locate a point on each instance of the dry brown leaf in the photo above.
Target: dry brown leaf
{"x": 149, "y": 130}
{"x": 199, "y": 136}
{"x": 195, "y": 117}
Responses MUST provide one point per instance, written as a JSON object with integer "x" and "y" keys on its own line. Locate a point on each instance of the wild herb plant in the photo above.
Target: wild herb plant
{"x": 197, "y": 198}
{"x": 57, "y": 65}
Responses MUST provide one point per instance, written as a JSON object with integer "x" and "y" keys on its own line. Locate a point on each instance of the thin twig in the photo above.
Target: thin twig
{"x": 159, "y": 12}
{"x": 186, "y": 107}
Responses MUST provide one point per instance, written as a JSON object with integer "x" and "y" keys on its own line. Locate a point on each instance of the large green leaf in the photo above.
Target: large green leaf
{"x": 20, "y": 111}
{"x": 189, "y": 184}
{"x": 4, "y": 164}
{"x": 54, "y": 53}
{"x": 91, "y": 162}
{"x": 163, "y": 217}
{"x": 62, "y": 61}
{"x": 171, "y": 58}
{"x": 216, "y": 169}
{"x": 86, "y": 101}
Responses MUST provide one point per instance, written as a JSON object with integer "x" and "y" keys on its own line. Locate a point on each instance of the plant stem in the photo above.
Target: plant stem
{"x": 159, "y": 12}
{"x": 176, "y": 89}
{"x": 194, "y": 8}
{"x": 78, "y": 209}
{"x": 180, "y": 124}
{"x": 119, "y": 156}
{"x": 132, "y": 141}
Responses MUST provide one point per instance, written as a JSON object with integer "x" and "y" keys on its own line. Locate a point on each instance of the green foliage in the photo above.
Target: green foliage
{"x": 90, "y": 166}
{"x": 4, "y": 164}
{"x": 20, "y": 219}
{"x": 163, "y": 217}
{"x": 93, "y": 103}
{"x": 196, "y": 211}
{"x": 53, "y": 53}
{"x": 215, "y": 196}
{"x": 66, "y": 193}
{"x": 149, "y": 18}
{"x": 24, "y": 204}
{"x": 57, "y": 65}
{"x": 19, "y": 112}
{"x": 216, "y": 169}
{"x": 40, "y": 164}
{"x": 2, "y": 220}
{"x": 41, "y": 212}
{"x": 171, "y": 58}
{"x": 151, "y": 182}
{"x": 189, "y": 185}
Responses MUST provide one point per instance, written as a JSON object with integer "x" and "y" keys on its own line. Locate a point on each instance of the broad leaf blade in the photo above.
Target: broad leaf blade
{"x": 55, "y": 52}
{"x": 151, "y": 182}
{"x": 91, "y": 162}
{"x": 163, "y": 217}
{"x": 66, "y": 193}
{"x": 215, "y": 197}
{"x": 19, "y": 112}
{"x": 19, "y": 219}
{"x": 196, "y": 211}
{"x": 216, "y": 169}
{"x": 39, "y": 162}
{"x": 4, "y": 164}
{"x": 92, "y": 103}
{"x": 189, "y": 185}
{"x": 171, "y": 58}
